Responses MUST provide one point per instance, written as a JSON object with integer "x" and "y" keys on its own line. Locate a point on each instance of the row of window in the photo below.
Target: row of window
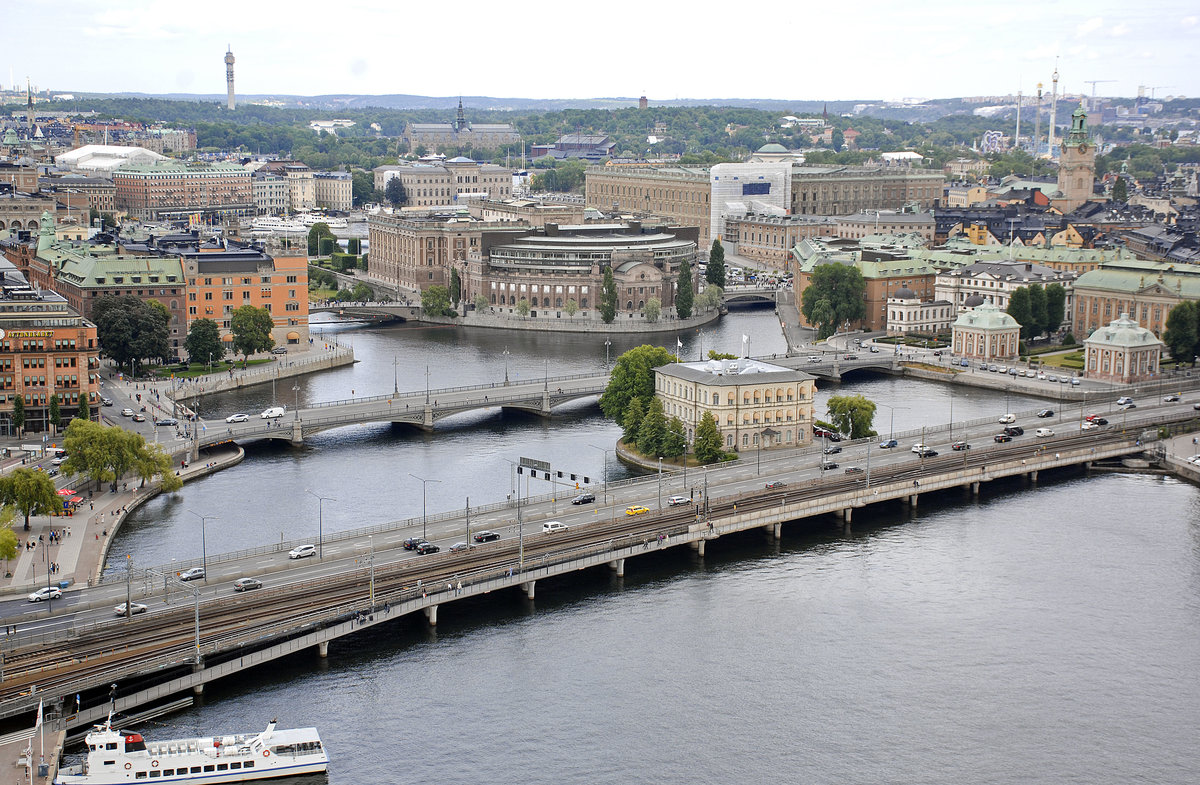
{"x": 155, "y": 773}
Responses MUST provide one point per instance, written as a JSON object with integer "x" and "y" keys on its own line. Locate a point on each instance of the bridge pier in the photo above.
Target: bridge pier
{"x": 431, "y": 615}
{"x": 774, "y": 529}
{"x": 1033, "y": 476}
{"x": 618, "y": 566}
{"x": 847, "y": 514}
{"x": 323, "y": 649}
{"x": 698, "y": 546}
{"x": 427, "y": 418}
{"x": 297, "y": 433}
{"x": 528, "y": 586}
{"x": 912, "y": 501}
{"x": 198, "y": 689}
{"x": 975, "y": 488}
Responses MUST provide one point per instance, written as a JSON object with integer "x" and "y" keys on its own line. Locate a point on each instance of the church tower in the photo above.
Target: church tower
{"x": 229, "y": 78}
{"x": 1077, "y": 165}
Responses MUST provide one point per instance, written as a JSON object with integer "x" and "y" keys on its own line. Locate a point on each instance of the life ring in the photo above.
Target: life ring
{"x": 266, "y": 753}
{"x": 154, "y": 764}
{"x": 128, "y": 766}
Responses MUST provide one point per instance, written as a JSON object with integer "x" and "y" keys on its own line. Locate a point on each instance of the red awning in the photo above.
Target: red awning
{"x": 65, "y": 492}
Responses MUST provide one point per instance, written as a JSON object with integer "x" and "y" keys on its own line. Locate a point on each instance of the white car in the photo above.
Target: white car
{"x": 192, "y": 574}
{"x": 238, "y": 418}
{"x": 1124, "y": 400}
{"x": 302, "y": 551}
{"x": 1042, "y": 433}
{"x": 553, "y": 526}
{"x": 136, "y": 608}
{"x": 1005, "y": 419}
{"x": 127, "y": 412}
{"x": 1088, "y": 425}
{"x": 46, "y": 593}
{"x": 675, "y": 501}
{"x": 274, "y": 413}
{"x": 919, "y": 448}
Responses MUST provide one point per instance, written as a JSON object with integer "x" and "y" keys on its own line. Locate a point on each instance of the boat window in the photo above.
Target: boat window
{"x": 154, "y": 773}
{"x": 112, "y": 745}
{"x": 168, "y": 772}
{"x": 140, "y": 775}
{"x": 249, "y": 764}
{"x": 222, "y": 767}
{"x": 235, "y": 765}
{"x": 210, "y": 767}
{"x": 110, "y": 763}
{"x": 196, "y": 770}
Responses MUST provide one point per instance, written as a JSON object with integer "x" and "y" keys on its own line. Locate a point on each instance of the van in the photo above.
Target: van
{"x": 275, "y": 412}
{"x": 1042, "y": 433}
{"x": 553, "y": 526}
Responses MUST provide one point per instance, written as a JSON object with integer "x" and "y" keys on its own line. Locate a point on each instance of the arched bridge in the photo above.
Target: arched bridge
{"x": 371, "y": 312}
{"x": 750, "y": 294}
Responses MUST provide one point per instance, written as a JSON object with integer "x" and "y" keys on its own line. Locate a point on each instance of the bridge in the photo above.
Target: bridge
{"x": 750, "y": 294}
{"x": 368, "y": 579}
{"x": 371, "y": 312}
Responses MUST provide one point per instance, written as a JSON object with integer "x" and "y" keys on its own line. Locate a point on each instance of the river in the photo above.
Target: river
{"x": 1038, "y": 634}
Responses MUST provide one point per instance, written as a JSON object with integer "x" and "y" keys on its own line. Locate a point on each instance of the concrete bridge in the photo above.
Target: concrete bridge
{"x": 750, "y": 294}
{"x": 371, "y": 312}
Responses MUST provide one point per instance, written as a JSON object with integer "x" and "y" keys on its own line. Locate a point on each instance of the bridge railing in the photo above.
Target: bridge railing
{"x": 451, "y": 390}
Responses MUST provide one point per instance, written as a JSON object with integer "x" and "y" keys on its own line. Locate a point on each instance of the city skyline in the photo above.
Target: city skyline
{"x": 927, "y": 49}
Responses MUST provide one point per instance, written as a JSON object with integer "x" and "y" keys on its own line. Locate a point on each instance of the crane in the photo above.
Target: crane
{"x": 1094, "y": 82}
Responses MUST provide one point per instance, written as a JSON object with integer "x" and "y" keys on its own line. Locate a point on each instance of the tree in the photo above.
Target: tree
{"x": 455, "y": 286}
{"x": 85, "y": 408}
{"x": 842, "y": 288}
{"x": 711, "y": 296}
{"x": 652, "y": 309}
{"x": 326, "y": 245}
{"x": 685, "y": 296}
{"x": 435, "y": 301}
{"x": 354, "y": 246}
{"x": 1020, "y": 308}
{"x": 8, "y": 542}
{"x": 18, "y": 414}
{"x": 481, "y": 302}
{"x": 852, "y": 415}
{"x": 1183, "y": 331}
{"x": 1120, "y": 191}
{"x": 55, "y": 414}
{"x": 631, "y": 421}
{"x": 204, "y": 342}
{"x": 713, "y": 354}
{"x": 394, "y": 192}
{"x": 30, "y": 492}
{"x": 675, "y": 440}
{"x": 608, "y": 297}
{"x": 633, "y": 377}
{"x": 714, "y": 273}
{"x": 1056, "y": 307}
{"x": 131, "y": 330}
{"x": 571, "y": 307}
{"x": 653, "y": 429}
{"x": 522, "y": 307}
{"x": 251, "y": 328}
{"x": 362, "y": 187}
{"x": 1037, "y": 308}
{"x": 315, "y": 233}
{"x": 707, "y": 446}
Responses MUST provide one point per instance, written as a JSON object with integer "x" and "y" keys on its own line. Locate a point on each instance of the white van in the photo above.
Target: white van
{"x": 553, "y": 526}
{"x": 1043, "y": 432}
{"x": 274, "y": 413}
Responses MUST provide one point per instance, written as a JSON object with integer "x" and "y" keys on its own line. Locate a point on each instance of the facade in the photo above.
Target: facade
{"x": 997, "y": 280}
{"x": 21, "y": 177}
{"x": 965, "y": 195}
{"x": 737, "y": 189}
{"x": 416, "y": 251}
{"x": 221, "y": 280}
{"x": 526, "y": 212}
{"x": 1076, "y": 166}
{"x": 1146, "y": 291}
{"x": 272, "y": 193}
{"x": 175, "y": 190}
{"x": 333, "y": 191}
{"x": 445, "y": 184}
{"x": 986, "y": 333}
{"x": 23, "y": 211}
{"x": 842, "y": 190}
{"x": 97, "y": 193}
{"x": 908, "y": 314}
{"x": 679, "y": 195}
{"x": 756, "y": 405}
{"x": 865, "y": 223}
{"x": 770, "y": 238}
{"x": 460, "y": 134}
{"x": 1123, "y": 352}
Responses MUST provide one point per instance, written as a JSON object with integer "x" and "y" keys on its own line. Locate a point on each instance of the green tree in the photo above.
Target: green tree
{"x": 685, "y": 296}
{"x": 633, "y": 377}
{"x": 394, "y": 192}
{"x": 315, "y": 233}
{"x": 204, "y": 341}
{"x": 1037, "y": 308}
{"x": 55, "y": 413}
{"x": 1183, "y": 331}
{"x": 30, "y": 492}
{"x": 1056, "y": 306}
{"x": 608, "y": 297}
{"x": 713, "y": 354}
{"x": 18, "y": 413}
{"x": 326, "y": 245}
{"x": 523, "y": 307}
{"x": 481, "y": 302}
{"x": 631, "y": 421}
{"x": 852, "y": 415}
{"x": 711, "y": 296}
{"x": 1020, "y": 308}
{"x": 455, "y": 286}
{"x": 8, "y": 543}
{"x": 354, "y": 246}
{"x": 251, "y": 328}
{"x": 714, "y": 273}
{"x": 837, "y": 140}
{"x": 707, "y": 446}
{"x": 131, "y": 330}
{"x": 675, "y": 441}
{"x": 1120, "y": 191}
{"x": 435, "y": 301}
{"x": 85, "y": 408}
{"x": 653, "y": 429}
{"x": 842, "y": 288}
{"x": 571, "y": 307}
{"x": 652, "y": 309}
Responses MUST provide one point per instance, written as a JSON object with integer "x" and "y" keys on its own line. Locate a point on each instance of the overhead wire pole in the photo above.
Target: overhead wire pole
{"x": 204, "y": 541}
{"x": 320, "y": 520}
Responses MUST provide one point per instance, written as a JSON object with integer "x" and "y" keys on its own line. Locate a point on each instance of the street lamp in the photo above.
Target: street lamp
{"x": 423, "y": 482}
{"x": 371, "y": 543}
{"x": 426, "y": 384}
{"x": 320, "y": 520}
{"x": 506, "y": 353}
{"x": 660, "y": 483}
{"x": 296, "y": 390}
{"x": 204, "y": 541}
{"x": 892, "y": 418}
{"x": 607, "y": 343}
{"x": 604, "y": 468}
{"x": 395, "y": 376}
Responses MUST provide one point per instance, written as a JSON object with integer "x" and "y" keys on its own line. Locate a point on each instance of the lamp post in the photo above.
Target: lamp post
{"x": 423, "y": 483}
{"x": 395, "y": 376}
{"x": 371, "y": 544}
{"x": 607, "y": 343}
{"x": 546, "y": 376}
{"x": 296, "y": 390}
{"x": 320, "y": 520}
{"x": 892, "y": 418}
{"x": 204, "y": 542}
{"x": 506, "y": 353}
{"x": 426, "y": 384}
{"x": 660, "y": 483}
{"x": 604, "y": 468}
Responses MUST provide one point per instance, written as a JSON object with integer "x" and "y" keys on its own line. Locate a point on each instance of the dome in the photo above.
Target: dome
{"x": 904, "y": 293}
{"x": 974, "y": 301}
{"x": 772, "y": 148}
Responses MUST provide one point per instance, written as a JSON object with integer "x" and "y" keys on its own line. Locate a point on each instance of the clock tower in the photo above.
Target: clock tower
{"x": 1076, "y": 165}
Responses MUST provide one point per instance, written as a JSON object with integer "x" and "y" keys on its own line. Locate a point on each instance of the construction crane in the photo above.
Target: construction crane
{"x": 1094, "y": 82}
{"x": 1143, "y": 88}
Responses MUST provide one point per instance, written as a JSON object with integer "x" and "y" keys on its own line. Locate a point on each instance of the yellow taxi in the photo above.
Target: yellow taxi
{"x": 636, "y": 509}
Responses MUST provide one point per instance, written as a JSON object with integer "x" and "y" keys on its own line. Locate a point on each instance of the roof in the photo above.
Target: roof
{"x": 1123, "y": 332}
{"x": 1135, "y": 275}
{"x": 733, "y": 373}
{"x": 986, "y": 317}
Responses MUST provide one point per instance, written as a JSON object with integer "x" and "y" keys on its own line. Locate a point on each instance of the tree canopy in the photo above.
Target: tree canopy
{"x": 707, "y": 444}
{"x": 608, "y": 297}
{"x": 251, "y": 328}
{"x": 104, "y": 454}
{"x": 686, "y": 295}
{"x": 852, "y": 415}
{"x": 833, "y": 297}
{"x": 1182, "y": 335}
{"x": 131, "y": 330}
{"x": 435, "y": 301}
{"x": 204, "y": 342}
{"x": 30, "y": 492}
{"x": 714, "y": 272}
{"x": 633, "y": 377}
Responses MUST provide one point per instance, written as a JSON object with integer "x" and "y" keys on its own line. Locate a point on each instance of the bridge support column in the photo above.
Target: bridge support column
{"x": 195, "y": 450}
{"x": 199, "y": 688}
{"x": 528, "y": 586}
{"x": 323, "y": 649}
{"x": 427, "y": 418}
{"x": 431, "y": 615}
{"x": 699, "y": 546}
{"x": 545, "y": 403}
{"x": 297, "y": 433}
{"x": 847, "y": 514}
{"x": 975, "y": 488}
{"x": 1033, "y": 476}
{"x": 912, "y": 501}
{"x": 618, "y": 566}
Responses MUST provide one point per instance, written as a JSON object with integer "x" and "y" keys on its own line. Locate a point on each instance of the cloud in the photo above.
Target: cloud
{"x": 1189, "y": 21}
{"x": 1090, "y": 26}
{"x": 1119, "y": 30}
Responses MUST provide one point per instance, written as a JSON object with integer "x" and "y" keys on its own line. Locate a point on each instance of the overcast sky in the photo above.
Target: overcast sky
{"x": 813, "y": 49}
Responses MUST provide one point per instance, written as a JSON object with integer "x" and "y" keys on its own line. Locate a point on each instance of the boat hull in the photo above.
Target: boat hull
{"x": 122, "y": 776}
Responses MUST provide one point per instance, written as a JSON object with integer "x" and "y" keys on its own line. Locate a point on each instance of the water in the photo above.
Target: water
{"x": 1037, "y": 635}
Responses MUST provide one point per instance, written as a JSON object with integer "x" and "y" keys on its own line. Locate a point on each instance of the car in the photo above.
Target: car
{"x": 1007, "y": 418}
{"x": 636, "y": 509}
{"x": 874, "y": 349}
{"x": 1041, "y": 376}
{"x": 136, "y": 608}
{"x": 854, "y": 470}
{"x": 828, "y": 465}
{"x": 993, "y": 367}
{"x": 964, "y": 363}
{"x": 549, "y": 527}
{"x": 105, "y": 401}
{"x": 191, "y": 574}
{"x": 238, "y": 418}
{"x": 52, "y": 473}
{"x": 776, "y": 484}
{"x": 919, "y": 448}
{"x": 888, "y": 444}
{"x": 1014, "y": 430}
{"x": 1130, "y": 405}
{"x": 1002, "y": 369}
{"x": 832, "y": 449}
{"x": 171, "y": 421}
{"x": 486, "y": 536}
{"x": 279, "y": 350}
{"x": 960, "y": 446}
{"x": 676, "y": 501}
{"x": 584, "y": 498}
{"x": 1124, "y": 399}
{"x": 1002, "y": 437}
{"x": 58, "y": 461}
{"x": 127, "y": 412}
{"x": 427, "y": 547}
{"x": 814, "y": 359}
{"x": 1063, "y": 379}
{"x": 139, "y": 418}
{"x": 1014, "y": 371}
{"x": 1172, "y": 398}
{"x": 1042, "y": 433}
{"x": 1088, "y": 425}
{"x": 1044, "y": 413}
{"x": 302, "y": 552}
{"x": 273, "y": 413}
{"x": 1051, "y": 378}
{"x": 46, "y": 593}
{"x": 247, "y": 584}
{"x": 850, "y": 357}
{"x": 412, "y": 542}
{"x": 1074, "y": 381}
{"x": 823, "y": 432}
{"x": 460, "y": 546}
{"x": 1099, "y": 420}
{"x": 1196, "y": 406}
{"x": 928, "y": 452}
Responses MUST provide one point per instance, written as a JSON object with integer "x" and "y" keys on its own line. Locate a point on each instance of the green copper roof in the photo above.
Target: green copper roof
{"x": 1123, "y": 332}
{"x": 986, "y": 317}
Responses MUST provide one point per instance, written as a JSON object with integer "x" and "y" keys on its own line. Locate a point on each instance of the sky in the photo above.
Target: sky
{"x": 798, "y": 50}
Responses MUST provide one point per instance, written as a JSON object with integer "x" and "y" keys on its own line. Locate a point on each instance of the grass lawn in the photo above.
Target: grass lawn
{"x": 320, "y": 295}
{"x": 1068, "y": 359}
{"x": 200, "y": 369}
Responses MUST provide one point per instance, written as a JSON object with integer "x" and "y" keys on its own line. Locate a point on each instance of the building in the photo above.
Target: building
{"x": 985, "y": 332}
{"x": 966, "y": 167}
{"x": 996, "y": 280}
{"x": 549, "y": 267}
{"x": 1145, "y": 290}
{"x": 333, "y": 191}
{"x": 272, "y": 193}
{"x": 21, "y": 210}
{"x": 738, "y": 189}
{"x": 526, "y": 212}
{"x": 870, "y": 222}
{"x": 460, "y": 135}
{"x": 908, "y": 314}
{"x": 46, "y": 349}
{"x": 414, "y": 251}
{"x": 104, "y": 159}
{"x": 756, "y": 405}
{"x": 170, "y": 189}
{"x": 1076, "y": 166}
{"x": 21, "y": 177}
{"x": 589, "y": 147}
{"x": 221, "y": 279}
{"x": 965, "y": 195}
{"x": 98, "y": 193}
{"x": 230, "y": 102}
{"x": 769, "y": 239}
{"x": 679, "y": 195}
{"x": 447, "y": 183}
{"x": 1123, "y": 352}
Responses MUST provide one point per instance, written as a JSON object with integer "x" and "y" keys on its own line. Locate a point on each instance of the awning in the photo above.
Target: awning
{"x": 293, "y": 336}
{"x": 227, "y": 338}
{"x": 76, "y": 498}
{"x": 65, "y": 492}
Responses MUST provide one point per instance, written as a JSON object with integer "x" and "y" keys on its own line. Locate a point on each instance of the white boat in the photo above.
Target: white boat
{"x": 115, "y": 757}
{"x": 273, "y": 223}
{"x": 308, "y": 219}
